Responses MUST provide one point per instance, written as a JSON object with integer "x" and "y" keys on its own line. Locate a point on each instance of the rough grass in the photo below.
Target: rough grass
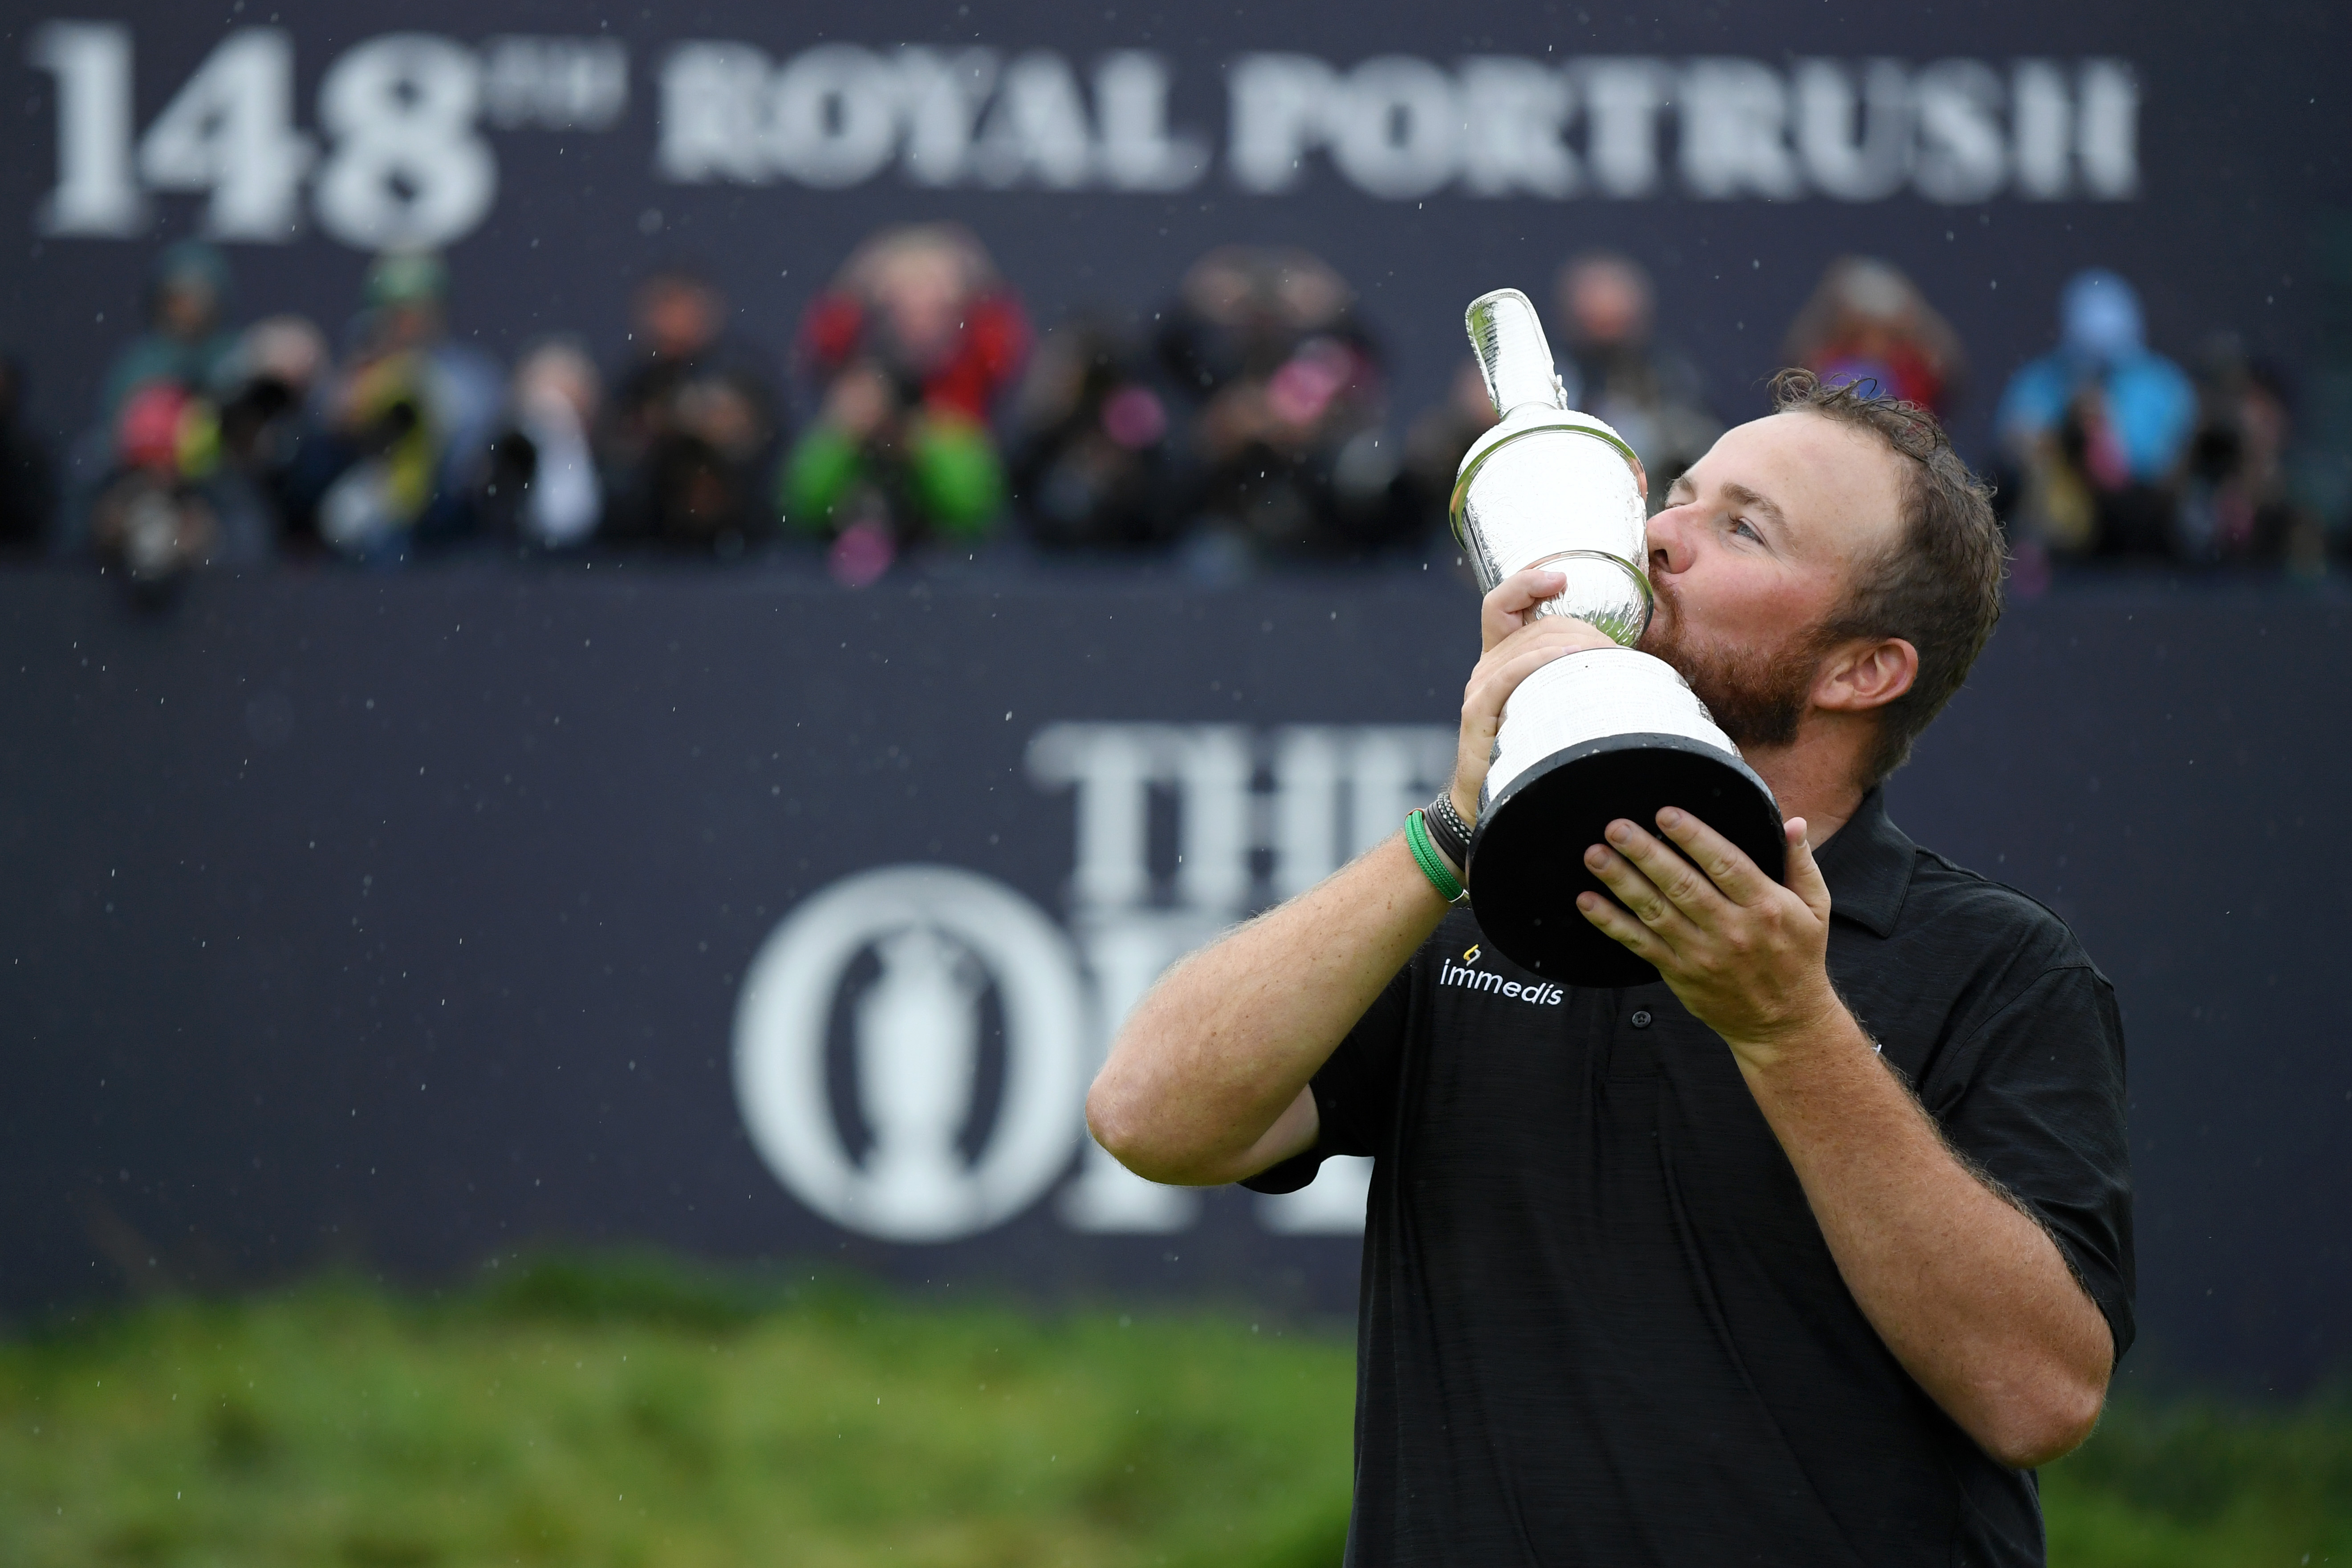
{"x": 2202, "y": 1483}
{"x": 629, "y": 1412}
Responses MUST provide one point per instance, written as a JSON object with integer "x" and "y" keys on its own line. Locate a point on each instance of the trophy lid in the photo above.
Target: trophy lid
{"x": 1513, "y": 356}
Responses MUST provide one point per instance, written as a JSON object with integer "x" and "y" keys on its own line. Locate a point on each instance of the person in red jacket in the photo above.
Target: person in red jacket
{"x": 912, "y": 344}
{"x": 1867, "y": 322}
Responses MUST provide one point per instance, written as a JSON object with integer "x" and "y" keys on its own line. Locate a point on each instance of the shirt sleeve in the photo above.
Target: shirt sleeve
{"x": 2035, "y": 1098}
{"x": 1355, "y": 1090}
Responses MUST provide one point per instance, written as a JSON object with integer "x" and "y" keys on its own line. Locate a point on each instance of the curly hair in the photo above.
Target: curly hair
{"x": 1937, "y": 585}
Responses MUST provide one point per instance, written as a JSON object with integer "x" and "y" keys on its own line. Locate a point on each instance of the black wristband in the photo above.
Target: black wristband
{"x": 1447, "y": 830}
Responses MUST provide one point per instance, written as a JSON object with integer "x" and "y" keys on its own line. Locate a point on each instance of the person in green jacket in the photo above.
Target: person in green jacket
{"x": 914, "y": 342}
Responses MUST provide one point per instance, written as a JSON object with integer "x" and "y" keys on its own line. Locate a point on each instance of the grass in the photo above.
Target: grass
{"x": 629, "y": 1412}
{"x": 2203, "y": 1483}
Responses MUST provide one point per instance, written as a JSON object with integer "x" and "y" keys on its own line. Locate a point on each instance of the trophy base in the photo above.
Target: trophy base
{"x": 1527, "y": 858}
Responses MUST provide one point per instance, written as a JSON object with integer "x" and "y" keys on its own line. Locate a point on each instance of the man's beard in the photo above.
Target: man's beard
{"x": 1757, "y": 696}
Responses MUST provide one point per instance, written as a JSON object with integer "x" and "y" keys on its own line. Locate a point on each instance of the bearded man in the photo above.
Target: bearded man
{"x": 1808, "y": 1253}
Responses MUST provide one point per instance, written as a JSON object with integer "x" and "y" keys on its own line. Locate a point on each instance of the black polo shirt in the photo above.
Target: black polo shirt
{"x": 1599, "y": 1322}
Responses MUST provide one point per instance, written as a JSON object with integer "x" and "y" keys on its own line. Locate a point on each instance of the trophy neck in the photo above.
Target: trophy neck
{"x": 1513, "y": 357}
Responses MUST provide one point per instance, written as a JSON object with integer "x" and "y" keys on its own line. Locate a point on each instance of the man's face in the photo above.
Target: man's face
{"x": 1757, "y": 545}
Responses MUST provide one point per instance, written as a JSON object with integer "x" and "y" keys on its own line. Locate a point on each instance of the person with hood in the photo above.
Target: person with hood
{"x": 2095, "y": 429}
{"x": 415, "y": 408}
{"x": 187, "y": 336}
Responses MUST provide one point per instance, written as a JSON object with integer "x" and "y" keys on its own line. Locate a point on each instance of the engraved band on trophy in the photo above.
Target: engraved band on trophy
{"x": 1595, "y": 735}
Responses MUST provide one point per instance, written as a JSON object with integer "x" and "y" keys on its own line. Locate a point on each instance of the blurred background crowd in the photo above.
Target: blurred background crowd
{"x": 922, "y": 409}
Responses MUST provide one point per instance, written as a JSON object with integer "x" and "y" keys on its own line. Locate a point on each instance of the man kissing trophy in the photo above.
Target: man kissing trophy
{"x": 1598, "y": 735}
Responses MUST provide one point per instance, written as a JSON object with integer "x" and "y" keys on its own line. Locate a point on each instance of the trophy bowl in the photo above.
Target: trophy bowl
{"x": 1596, "y": 735}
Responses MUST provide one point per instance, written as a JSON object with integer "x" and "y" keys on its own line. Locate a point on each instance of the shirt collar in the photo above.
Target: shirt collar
{"x": 1867, "y": 865}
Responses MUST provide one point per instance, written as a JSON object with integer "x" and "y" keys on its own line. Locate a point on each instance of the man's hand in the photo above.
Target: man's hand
{"x": 1515, "y": 642}
{"x": 1747, "y": 957}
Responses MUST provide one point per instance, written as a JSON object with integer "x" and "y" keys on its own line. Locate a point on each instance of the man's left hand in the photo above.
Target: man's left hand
{"x": 1747, "y": 957}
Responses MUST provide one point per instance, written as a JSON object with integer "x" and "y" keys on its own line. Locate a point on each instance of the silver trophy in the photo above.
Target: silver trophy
{"x": 1596, "y": 735}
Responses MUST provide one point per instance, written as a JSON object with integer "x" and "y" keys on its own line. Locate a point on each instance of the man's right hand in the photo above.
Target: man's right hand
{"x": 1516, "y": 642}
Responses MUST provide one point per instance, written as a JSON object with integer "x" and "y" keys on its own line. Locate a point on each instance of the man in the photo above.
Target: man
{"x": 1652, "y": 395}
{"x": 1808, "y": 1253}
{"x": 2096, "y": 428}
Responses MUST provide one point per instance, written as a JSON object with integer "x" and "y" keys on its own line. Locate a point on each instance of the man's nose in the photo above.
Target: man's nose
{"x": 1669, "y": 540}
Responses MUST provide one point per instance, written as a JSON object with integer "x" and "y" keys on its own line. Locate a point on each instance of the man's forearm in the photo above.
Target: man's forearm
{"x": 1211, "y": 1057}
{"x": 1971, "y": 1294}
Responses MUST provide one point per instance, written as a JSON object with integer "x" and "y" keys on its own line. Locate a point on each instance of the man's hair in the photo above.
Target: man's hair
{"x": 1937, "y": 585}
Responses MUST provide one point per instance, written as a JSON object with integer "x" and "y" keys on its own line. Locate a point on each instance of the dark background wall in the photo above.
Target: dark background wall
{"x": 404, "y": 921}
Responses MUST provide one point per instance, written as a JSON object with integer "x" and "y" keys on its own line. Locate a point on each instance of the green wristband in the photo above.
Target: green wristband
{"x": 1433, "y": 865}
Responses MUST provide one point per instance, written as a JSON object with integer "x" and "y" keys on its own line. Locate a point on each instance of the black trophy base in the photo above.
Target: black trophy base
{"x": 1527, "y": 858}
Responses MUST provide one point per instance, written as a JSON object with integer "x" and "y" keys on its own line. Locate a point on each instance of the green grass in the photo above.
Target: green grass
{"x": 2200, "y": 1483}
{"x": 634, "y": 1414}
{"x": 630, "y": 1412}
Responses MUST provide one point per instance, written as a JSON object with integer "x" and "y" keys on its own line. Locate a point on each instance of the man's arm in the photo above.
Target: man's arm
{"x": 1971, "y": 1294}
{"x": 1207, "y": 1080}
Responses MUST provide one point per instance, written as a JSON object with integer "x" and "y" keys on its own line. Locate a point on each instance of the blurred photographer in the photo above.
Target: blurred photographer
{"x": 187, "y": 336}
{"x": 28, "y": 477}
{"x": 1092, "y": 455}
{"x": 2095, "y": 432}
{"x": 540, "y": 488}
{"x": 276, "y": 460}
{"x": 1867, "y": 322}
{"x": 1650, "y": 394}
{"x": 911, "y": 349}
{"x": 2238, "y": 505}
{"x": 413, "y": 410}
{"x": 1288, "y": 388}
{"x": 151, "y": 521}
{"x": 693, "y": 425}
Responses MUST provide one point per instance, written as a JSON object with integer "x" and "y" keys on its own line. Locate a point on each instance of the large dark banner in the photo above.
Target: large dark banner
{"x": 556, "y": 152}
{"x": 405, "y": 922}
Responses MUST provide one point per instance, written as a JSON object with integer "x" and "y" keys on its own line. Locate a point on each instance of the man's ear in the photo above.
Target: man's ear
{"x": 1860, "y": 676}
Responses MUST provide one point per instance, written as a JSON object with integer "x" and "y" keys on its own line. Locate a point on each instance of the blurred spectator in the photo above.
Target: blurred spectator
{"x": 1286, "y": 434}
{"x": 26, "y": 478}
{"x": 911, "y": 345}
{"x": 151, "y": 520}
{"x": 1091, "y": 459}
{"x": 1438, "y": 441}
{"x": 541, "y": 487}
{"x": 184, "y": 341}
{"x": 1868, "y": 322}
{"x": 693, "y": 430}
{"x": 414, "y": 409}
{"x": 1649, "y": 394}
{"x": 2095, "y": 431}
{"x": 198, "y": 475}
{"x": 2236, "y": 503}
{"x": 274, "y": 459}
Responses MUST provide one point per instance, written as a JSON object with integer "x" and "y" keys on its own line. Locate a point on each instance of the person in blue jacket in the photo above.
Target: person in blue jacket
{"x": 2096, "y": 428}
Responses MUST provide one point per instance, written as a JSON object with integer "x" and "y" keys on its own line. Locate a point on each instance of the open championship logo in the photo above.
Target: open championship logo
{"x": 864, "y": 1059}
{"x": 942, "y": 935}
